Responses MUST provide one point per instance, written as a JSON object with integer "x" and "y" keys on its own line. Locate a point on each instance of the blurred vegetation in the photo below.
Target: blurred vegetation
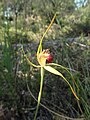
{"x": 31, "y": 18}
{"x": 23, "y": 22}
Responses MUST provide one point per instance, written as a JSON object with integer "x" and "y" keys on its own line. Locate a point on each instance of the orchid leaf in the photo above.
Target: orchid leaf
{"x": 54, "y": 71}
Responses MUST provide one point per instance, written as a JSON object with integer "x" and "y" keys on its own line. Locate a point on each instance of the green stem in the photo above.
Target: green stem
{"x": 40, "y": 92}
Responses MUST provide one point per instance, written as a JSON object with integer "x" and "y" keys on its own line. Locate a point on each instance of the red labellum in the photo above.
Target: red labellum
{"x": 49, "y": 58}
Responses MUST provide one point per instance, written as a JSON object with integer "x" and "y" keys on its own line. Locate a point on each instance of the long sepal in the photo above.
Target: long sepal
{"x": 29, "y": 60}
{"x": 40, "y": 92}
{"x": 67, "y": 69}
{"x": 54, "y": 71}
{"x": 40, "y": 45}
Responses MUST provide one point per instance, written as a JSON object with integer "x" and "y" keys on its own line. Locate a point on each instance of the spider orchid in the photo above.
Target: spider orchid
{"x": 45, "y": 58}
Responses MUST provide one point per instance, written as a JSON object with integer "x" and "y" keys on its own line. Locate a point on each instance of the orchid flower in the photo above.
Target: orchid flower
{"x": 45, "y": 58}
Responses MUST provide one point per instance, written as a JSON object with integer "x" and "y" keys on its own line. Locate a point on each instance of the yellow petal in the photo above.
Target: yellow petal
{"x": 54, "y": 71}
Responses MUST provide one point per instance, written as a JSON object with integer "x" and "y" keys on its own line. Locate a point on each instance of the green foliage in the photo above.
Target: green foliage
{"x": 30, "y": 19}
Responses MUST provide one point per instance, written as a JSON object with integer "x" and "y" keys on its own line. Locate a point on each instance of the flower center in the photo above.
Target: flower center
{"x": 44, "y": 57}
